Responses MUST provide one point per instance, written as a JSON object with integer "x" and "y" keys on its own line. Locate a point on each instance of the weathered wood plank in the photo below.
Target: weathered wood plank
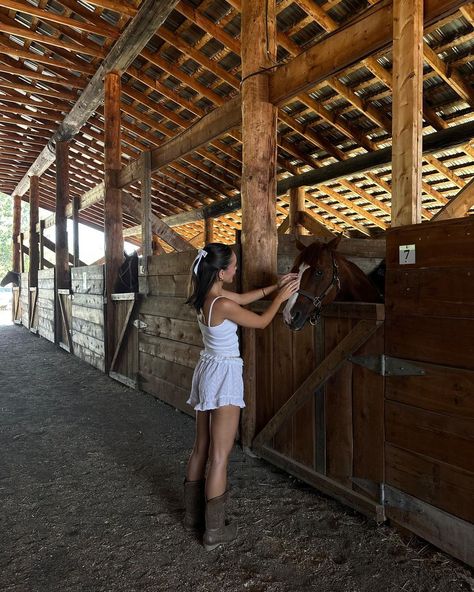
{"x": 94, "y": 345}
{"x": 437, "y": 435}
{"x": 87, "y": 328}
{"x": 89, "y": 356}
{"x": 175, "y": 329}
{"x": 172, "y": 351}
{"x": 165, "y": 391}
{"x": 163, "y": 306}
{"x": 88, "y": 300}
{"x": 92, "y": 315}
{"x": 171, "y": 372}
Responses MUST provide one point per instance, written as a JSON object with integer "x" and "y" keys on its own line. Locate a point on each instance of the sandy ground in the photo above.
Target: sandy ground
{"x": 90, "y": 500}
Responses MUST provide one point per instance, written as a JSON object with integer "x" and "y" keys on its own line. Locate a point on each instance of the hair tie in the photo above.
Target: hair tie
{"x": 201, "y": 254}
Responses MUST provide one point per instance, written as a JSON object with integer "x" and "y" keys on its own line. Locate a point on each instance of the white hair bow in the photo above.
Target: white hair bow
{"x": 201, "y": 254}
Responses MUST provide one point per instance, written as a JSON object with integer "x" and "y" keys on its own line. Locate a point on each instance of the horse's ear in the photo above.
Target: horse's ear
{"x": 334, "y": 243}
{"x": 299, "y": 245}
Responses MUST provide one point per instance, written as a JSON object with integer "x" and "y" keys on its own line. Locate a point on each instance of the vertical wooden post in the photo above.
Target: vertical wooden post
{"x": 113, "y": 232}
{"x": 208, "y": 230}
{"x": 16, "y": 264}
{"x": 407, "y": 111}
{"x": 147, "y": 239}
{"x": 22, "y": 252}
{"x": 296, "y": 205}
{"x": 75, "y": 229}
{"x": 62, "y": 276}
{"x": 62, "y": 200}
{"x": 34, "y": 242}
{"x": 258, "y": 190}
{"x": 41, "y": 244}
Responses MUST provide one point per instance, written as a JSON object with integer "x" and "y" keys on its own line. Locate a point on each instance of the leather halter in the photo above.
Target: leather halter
{"x": 318, "y": 300}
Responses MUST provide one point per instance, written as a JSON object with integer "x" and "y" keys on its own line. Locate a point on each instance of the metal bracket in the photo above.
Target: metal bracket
{"x": 387, "y": 366}
{"x": 139, "y": 324}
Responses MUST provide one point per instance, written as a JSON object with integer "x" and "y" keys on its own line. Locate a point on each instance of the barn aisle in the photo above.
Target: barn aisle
{"x": 90, "y": 500}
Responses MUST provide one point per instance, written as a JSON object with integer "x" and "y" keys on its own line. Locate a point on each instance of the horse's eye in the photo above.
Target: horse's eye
{"x": 319, "y": 273}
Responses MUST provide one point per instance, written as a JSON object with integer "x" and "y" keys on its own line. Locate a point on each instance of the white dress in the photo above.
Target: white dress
{"x": 217, "y": 378}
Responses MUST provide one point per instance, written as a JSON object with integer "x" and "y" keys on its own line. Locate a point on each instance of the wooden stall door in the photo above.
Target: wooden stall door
{"x": 429, "y": 415}
{"x": 169, "y": 340}
{"x": 64, "y": 319}
{"x": 25, "y": 300}
{"x": 87, "y": 325}
{"x": 16, "y": 306}
{"x": 46, "y": 304}
{"x": 124, "y": 365}
{"x": 320, "y": 415}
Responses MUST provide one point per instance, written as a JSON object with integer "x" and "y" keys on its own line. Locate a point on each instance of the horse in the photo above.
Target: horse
{"x": 324, "y": 275}
{"x": 11, "y": 277}
{"x": 127, "y": 280}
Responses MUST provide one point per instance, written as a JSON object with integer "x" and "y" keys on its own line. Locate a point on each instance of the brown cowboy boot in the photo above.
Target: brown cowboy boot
{"x": 194, "y": 504}
{"x": 217, "y": 531}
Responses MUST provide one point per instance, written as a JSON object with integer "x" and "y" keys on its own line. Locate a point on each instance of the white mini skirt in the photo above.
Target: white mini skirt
{"x": 217, "y": 381}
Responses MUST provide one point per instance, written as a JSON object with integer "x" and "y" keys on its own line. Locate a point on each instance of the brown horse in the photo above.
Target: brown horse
{"x": 325, "y": 275}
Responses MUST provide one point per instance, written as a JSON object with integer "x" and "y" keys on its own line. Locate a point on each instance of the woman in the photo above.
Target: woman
{"x": 217, "y": 386}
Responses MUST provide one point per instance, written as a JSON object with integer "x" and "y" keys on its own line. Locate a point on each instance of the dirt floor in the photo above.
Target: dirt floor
{"x": 90, "y": 500}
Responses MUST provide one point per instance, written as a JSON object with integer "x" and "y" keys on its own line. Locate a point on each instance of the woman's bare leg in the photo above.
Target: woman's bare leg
{"x": 224, "y": 425}
{"x": 197, "y": 461}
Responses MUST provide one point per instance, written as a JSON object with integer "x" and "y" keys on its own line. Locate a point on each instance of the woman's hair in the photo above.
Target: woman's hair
{"x": 215, "y": 256}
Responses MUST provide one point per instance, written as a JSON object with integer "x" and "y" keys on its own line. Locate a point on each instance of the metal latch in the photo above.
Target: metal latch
{"x": 139, "y": 324}
{"x": 387, "y": 366}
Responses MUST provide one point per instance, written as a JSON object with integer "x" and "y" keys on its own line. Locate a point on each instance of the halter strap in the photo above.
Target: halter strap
{"x": 210, "y": 310}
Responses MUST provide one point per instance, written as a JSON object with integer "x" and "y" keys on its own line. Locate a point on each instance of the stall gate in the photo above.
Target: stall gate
{"x": 25, "y": 300}
{"x": 45, "y": 304}
{"x": 319, "y": 415}
{"x": 429, "y": 411}
{"x": 87, "y": 314}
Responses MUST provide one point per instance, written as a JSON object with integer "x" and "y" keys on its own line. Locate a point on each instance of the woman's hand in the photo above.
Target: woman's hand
{"x": 284, "y": 279}
{"x": 288, "y": 290}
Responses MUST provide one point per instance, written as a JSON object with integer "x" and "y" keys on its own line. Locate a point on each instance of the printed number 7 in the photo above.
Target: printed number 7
{"x": 407, "y": 253}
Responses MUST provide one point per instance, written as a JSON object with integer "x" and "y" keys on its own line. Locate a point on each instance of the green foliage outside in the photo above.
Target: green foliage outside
{"x": 6, "y": 221}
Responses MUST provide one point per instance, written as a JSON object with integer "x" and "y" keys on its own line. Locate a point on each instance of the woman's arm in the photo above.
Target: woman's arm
{"x": 258, "y": 293}
{"x": 229, "y": 309}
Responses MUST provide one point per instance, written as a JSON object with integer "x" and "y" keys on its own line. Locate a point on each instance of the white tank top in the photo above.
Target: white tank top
{"x": 221, "y": 340}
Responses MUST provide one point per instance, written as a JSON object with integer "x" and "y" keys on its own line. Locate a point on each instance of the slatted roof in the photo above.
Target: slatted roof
{"x": 50, "y": 49}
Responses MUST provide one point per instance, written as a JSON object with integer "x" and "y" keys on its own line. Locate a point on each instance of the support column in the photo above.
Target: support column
{"x": 75, "y": 229}
{"x": 296, "y": 205}
{"x": 16, "y": 263}
{"x": 147, "y": 239}
{"x": 41, "y": 245}
{"x": 113, "y": 232}
{"x": 208, "y": 230}
{"x": 34, "y": 238}
{"x": 407, "y": 111}
{"x": 258, "y": 190}
{"x": 62, "y": 200}
{"x": 21, "y": 241}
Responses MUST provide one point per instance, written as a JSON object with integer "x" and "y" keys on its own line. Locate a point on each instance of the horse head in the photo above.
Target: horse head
{"x": 11, "y": 277}
{"x": 318, "y": 270}
{"x": 127, "y": 280}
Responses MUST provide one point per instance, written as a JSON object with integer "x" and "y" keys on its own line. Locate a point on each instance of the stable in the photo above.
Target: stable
{"x": 267, "y": 125}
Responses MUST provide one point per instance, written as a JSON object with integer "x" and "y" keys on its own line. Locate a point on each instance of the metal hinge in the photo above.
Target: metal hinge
{"x": 387, "y": 366}
{"x": 139, "y": 324}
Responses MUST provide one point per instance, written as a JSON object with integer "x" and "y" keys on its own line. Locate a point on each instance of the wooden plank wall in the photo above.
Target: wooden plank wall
{"x": 45, "y": 303}
{"x": 125, "y": 366}
{"x": 25, "y": 299}
{"x": 429, "y": 448}
{"x": 170, "y": 343}
{"x": 87, "y": 284}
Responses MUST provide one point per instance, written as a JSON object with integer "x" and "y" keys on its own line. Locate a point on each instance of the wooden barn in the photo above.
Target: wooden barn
{"x": 263, "y": 124}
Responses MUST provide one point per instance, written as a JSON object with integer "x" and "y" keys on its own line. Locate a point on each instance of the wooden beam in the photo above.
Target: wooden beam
{"x": 34, "y": 238}
{"x": 459, "y": 205}
{"x": 208, "y": 230}
{"x": 296, "y": 206}
{"x": 259, "y": 156}
{"x": 370, "y": 33}
{"x": 113, "y": 236}
{"x": 145, "y": 189}
{"x": 141, "y": 29}
{"x": 210, "y": 127}
{"x": 313, "y": 226}
{"x": 62, "y": 199}
{"x": 407, "y": 110}
{"x": 16, "y": 202}
{"x": 75, "y": 229}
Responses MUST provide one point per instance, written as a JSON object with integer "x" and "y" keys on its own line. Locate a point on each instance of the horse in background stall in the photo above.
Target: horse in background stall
{"x": 127, "y": 280}
{"x": 11, "y": 277}
{"x": 324, "y": 275}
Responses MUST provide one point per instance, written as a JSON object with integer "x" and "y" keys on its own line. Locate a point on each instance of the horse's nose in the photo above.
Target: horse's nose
{"x": 296, "y": 315}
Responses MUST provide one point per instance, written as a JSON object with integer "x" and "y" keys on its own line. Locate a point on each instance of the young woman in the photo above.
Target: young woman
{"x": 217, "y": 392}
